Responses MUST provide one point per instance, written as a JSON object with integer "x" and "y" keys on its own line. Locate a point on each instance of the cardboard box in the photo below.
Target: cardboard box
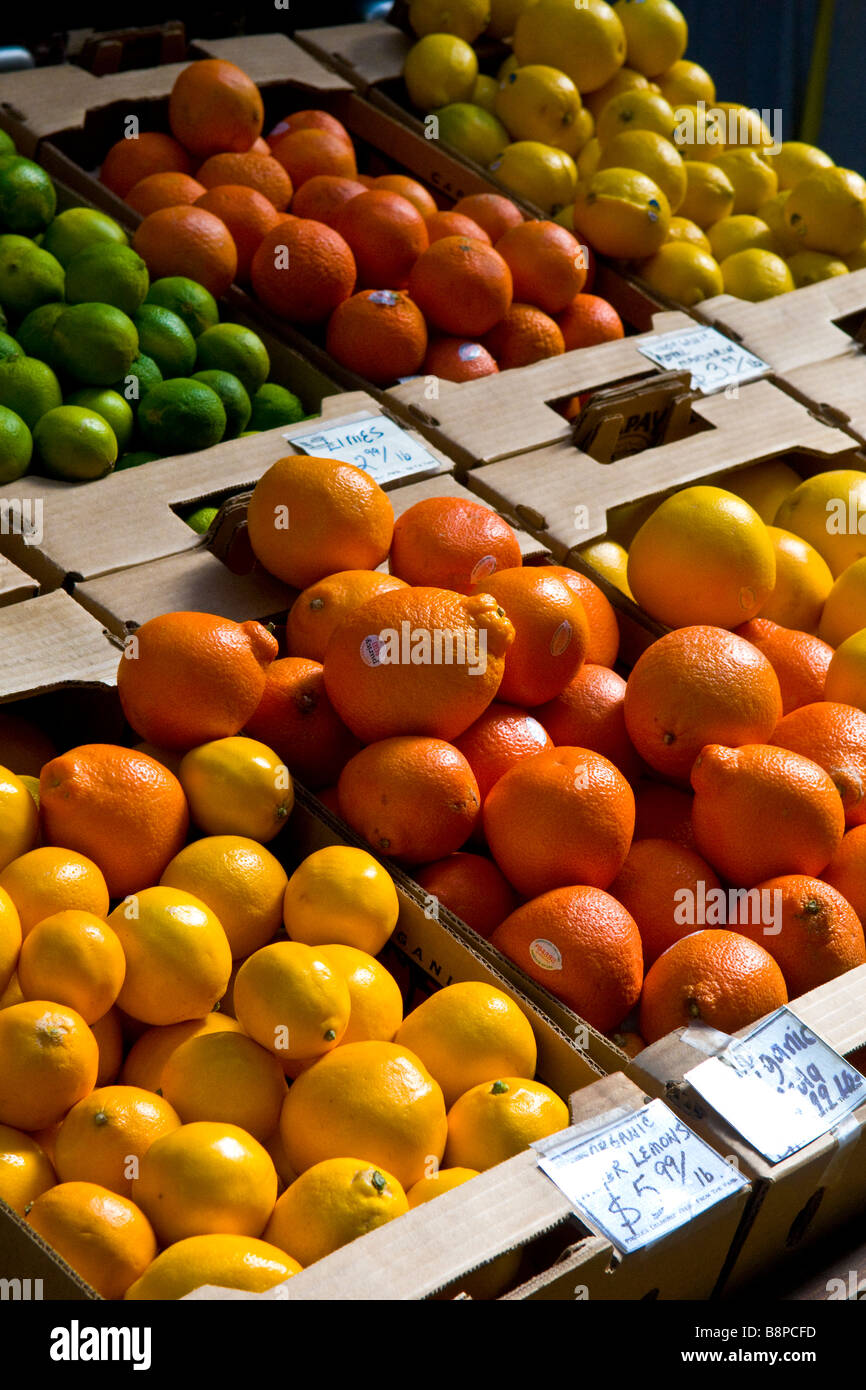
{"x": 809, "y": 325}
{"x": 15, "y": 584}
{"x": 796, "y": 1202}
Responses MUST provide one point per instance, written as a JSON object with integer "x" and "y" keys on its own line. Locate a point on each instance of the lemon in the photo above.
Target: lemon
{"x": 95, "y": 343}
{"x": 16, "y": 446}
{"x": 634, "y": 109}
{"x": 540, "y": 103}
{"x": 273, "y": 406}
{"x": 822, "y": 510}
{"x": 115, "y": 411}
{"x": 472, "y": 130}
{"x": 699, "y": 132}
{"x": 622, "y": 213}
{"x": 164, "y": 337}
{"x": 796, "y": 161}
{"x": 202, "y": 519}
{"x": 808, "y": 267}
{"x": 19, "y": 822}
{"x": 484, "y": 93}
{"x": 237, "y": 786}
{"x": 684, "y": 273}
{"x": 803, "y": 583}
{"x": 377, "y": 1004}
{"x": 465, "y": 19}
{"x": 226, "y": 1261}
{"x": 186, "y": 298}
{"x": 656, "y": 34}
{"x": 504, "y": 15}
{"x": 845, "y": 606}
{"x": 756, "y": 275}
{"x": 709, "y": 194}
{"x": 827, "y": 212}
{"x": 35, "y": 332}
{"x": 586, "y": 41}
{"x": 740, "y": 233}
{"x": 235, "y": 400}
{"x": 684, "y": 83}
{"x": 28, "y": 387}
{"x": 536, "y": 172}
{"x": 229, "y": 347}
{"x": 682, "y": 229}
{"x": 623, "y": 80}
{"x": 584, "y": 128}
{"x": 651, "y": 154}
{"x": 111, "y": 274}
{"x": 331, "y": 1204}
{"x": 773, "y": 213}
{"x": 857, "y": 261}
{"x": 753, "y": 179}
{"x": 589, "y": 158}
{"x": 29, "y": 277}
{"x": 341, "y": 896}
{"x": 75, "y": 443}
{"x": 439, "y": 69}
{"x": 509, "y": 65}
{"x": 763, "y": 485}
{"x": 846, "y": 675}
{"x": 181, "y": 416}
{"x": 744, "y": 128}
{"x": 611, "y": 561}
{"x": 27, "y": 197}
{"x": 76, "y": 228}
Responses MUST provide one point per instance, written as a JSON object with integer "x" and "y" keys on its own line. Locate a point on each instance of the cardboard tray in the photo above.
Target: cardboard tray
{"x": 793, "y": 330}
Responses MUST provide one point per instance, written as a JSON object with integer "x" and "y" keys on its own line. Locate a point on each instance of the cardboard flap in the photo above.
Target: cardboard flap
{"x": 51, "y": 642}
{"x": 273, "y": 58}
{"x": 47, "y": 99}
{"x": 837, "y": 387}
{"x": 372, "y": 52}
{"x": 792, "y": 329}
{"x": 15, "y": 584}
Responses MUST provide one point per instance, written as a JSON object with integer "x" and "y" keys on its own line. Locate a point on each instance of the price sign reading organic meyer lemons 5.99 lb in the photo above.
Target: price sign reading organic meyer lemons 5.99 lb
{"x": 374, "y": 443}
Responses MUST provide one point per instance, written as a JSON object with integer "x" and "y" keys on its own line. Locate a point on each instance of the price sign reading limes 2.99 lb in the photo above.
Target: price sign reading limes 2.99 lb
{"x": 639, "y": 1177}
{"x": 371, "y": 442}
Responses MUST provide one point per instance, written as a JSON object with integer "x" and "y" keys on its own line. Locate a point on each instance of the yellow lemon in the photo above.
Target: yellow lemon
{"x": 845, "y": 609}
{"x": 809, "y": 267}
{"x": 178, "y": 959}
{"x": 540, "y": 103}
{"x": 504, "y": 15}
{"x": 682, "y": 229}
{"x": 377, "y": 1004}
{"x": 611, "y": 560}
{"x": 589, "y": 158}
{"x": 827, "y": 511}
{"x": 436, "y": 1184}
{"x": 228, "y": 1078}
{"x": 584, "y": 128}
{"x": 796, "y": 161}
{"x": 220, "y": 1261}
{"x": 19, "y": 820}
{"x": 239, "y": 880}
{"x": 763, "y": 485}
{"x": 651, "y": 154}
{"x": 496, "y": 1120}
{"x": 509, "y": 65}
{"x": 744, "y": 128}
{"x": 73, "y": 958}
{"x": 753, "y": 179}
{"x": 827, "y": 212}
{"x": 10, "y": 939}
{"x": 635, "y": 109}
{"x": 684, "y": 83}
{"x": 343, "y": 896}
{"x": 773, "y": 213}
{"x": 622, "y": 213}
{"x": 756, "y": 275}
{"x": 704, "y": 556}
{"x": 292, "y": 1001}
{"x": 699, "y": 133}
{"x": 709, "y": 193}
{"x": 803, "y": 582}
{"x": 586, "y": 41}
{"x": 684, "y": 273}
{"x": 146, "y": 1058}
{"x": 331, "y": 1204}
{"x": 47, "y": 880}
{"x": 857, "y": 261}
{"x": 24, "y": 1169}
{"x": 237, "y": 786}
{"x": 32, "y": 785}
{"x": 472, "y": 130}
{"x": 623, "y": 80}
{"x": 465, "y": 19}
{"x": 538, "y": 173}
{"x": 439, "y": 69}
{"x": 484, "y": 93}
{"x": 623, "y": 524}
{"x": 656, "y": 34}
{"x": 741, "y": 232}
{"x": 846, "y": 674}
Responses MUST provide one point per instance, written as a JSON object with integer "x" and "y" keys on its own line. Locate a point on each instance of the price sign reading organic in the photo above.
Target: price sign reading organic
{"x": 781, "y": 1087}
{"x": 638, "y": 1178}
{"x": 713, "y": 360}
{"x": 372, "y": 442}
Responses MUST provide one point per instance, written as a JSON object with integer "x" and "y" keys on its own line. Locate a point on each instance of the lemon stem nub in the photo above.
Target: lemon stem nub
{"x": 379, "y": 1181}
{"x": 330, "y": 1035}
{"x": 497, "y": 1088}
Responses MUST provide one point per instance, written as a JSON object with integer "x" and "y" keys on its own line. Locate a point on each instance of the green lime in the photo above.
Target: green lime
{"x": 473, "y": 131}
{"x": 36, "y": 332}
{"x": 273, "y": 406}
{"x": 245, "y": 434}
{"x": 16, "y": 446}
{"x": 114, "y": 410}
{"x": 236, "y": 402}
{"x": 110, "y": 274}
{"x": 229, "y": 347}
{"x": 7, "y": 144}
{"x": 164, "y": 336}
{"x": 9, "y": 347}
{"x": 186, "y": 298}
{"x": 142, "y": 376}
{"x": 27, "y": 197}
{"x": 135, "y": 460}
{"x": 76, "y": 228}
{"x": 75, "y": 443}
{"x": 10, "y": 243}
{"x": 29, "y": 387}
{"x": 29, "y": 278}
{"x": 95, "y": 343}
{"x": 181, "y": 416}
{"x": 200, "y": 520}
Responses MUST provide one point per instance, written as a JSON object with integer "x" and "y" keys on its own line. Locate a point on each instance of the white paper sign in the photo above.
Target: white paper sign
{"x": 373, "y": 443}
{"x": 781, "y": 1087}
{"x": 638, "y": 1178}
{"x": 713, "y": 360}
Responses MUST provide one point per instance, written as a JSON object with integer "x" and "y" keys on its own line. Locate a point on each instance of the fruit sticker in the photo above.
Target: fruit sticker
{"x": 546, "y": 955}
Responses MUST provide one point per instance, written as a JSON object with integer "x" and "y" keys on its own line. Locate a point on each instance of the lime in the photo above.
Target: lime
{"x": 201, "y": 519}
{"x": 164, "y": 336}
{"x": 110, "y": 274}
{"x": 36, "y": 332}
{"x": 274, "y": 406}
{"x": 180, "y": 416}
{"x": 229, "y": 347}
{"x": 236, "y": 402}
{"x": 27, "y": 197}
{"x": 142, "y": 376}
{"x": 245, "y": 434}
{"x": 186, "y": 298}
{"x": 95, "y": 343}
{"x": 473, "y": 131}
{"x": 28, "y": 278}
{"x": 114, "y": 410}
{"x": 9, "y": 347}
{"x": 75, "y": 443}
{"x": 29, "y": 387}
{"x": 135, "y": 460}
{"x": 16, "y": 445}
{"x": 76, "y": 228}
{"x": 7, "y": 144}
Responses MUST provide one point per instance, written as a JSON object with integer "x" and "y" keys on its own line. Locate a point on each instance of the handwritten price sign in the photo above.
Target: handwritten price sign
{"x": 638, "y": 1178}
{"x": 371, "y": 442}
{"x": 782, "y": 1086}
{"x": 713, "y": 360}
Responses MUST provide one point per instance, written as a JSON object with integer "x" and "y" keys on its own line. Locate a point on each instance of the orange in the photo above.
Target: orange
{"x": 452, "y": 543}
{"x": 309, "y": 120}
{"x": 104, "y": 1136}
{"x": 149, "y": 152}
{"x": 48, "y": 1062}
{"x": 374, "y": 1099}
{"x": 501, "y": 738}
{"x": 377, "y": 1004}
{"x": 589, "y": 320}
{"x": 800, "y": 660}
{"x": 380, "y": 334}
{"x": 297, "y": 720}
{"x": 226, "y": 1262}
{"x": 246, "y": 213}
{"x": 438, "y": 1183}
{"x": 309, "y": 517}
{"x": 846, "y": 871}
{"x": 10, "y": 939}
{"x": 188, "y": 241}
{"x": 292, "y": 1001}
{"x": 741, "y": 792}
{"x": 330, "y": 1205}
{"x": 662, "y": 811}
{"x": 417, "y": 661}
{"x": 308, "y": 152}
{"x": 414, "y": 799}
{"x": 260, "y": 172}
{"x": 565, "y": 816}
{"x": 319, "y": 610}
{"x": 497, "y": 1120}
{"x": 213, "y": 668}
{"x": 25, "y": 1170}
{"x": 239, "y": 880}
{"x": 49, "y": 880}
{"x": 630, "y": 1043}
{"x": 471, "y": 887}
{"x": 408, "y": 188}
{"x": 12, "y": 993}
{"x": 163, "y": 190}
{"x": 455, "y": 359}
{"x": 24, "y": 747}
{"x": 524, "y": 335}
{"x": 442, "y": 224}
{"x": 547, "y": 264}
{"x": 109, "y": 1039}
{"x": 122, "y": 809}
{"x": 206, "y": 1179}
{"x": 819, "y": 934}
{"x": 551, "y": 633}
{"x": 226, "y": 1077}
{"x": 104, "y": 1237}
{"x": 149, "y": 1054}
{"x": 582, "y": 945}
{"x": 716, "y": 977}
{"x": 215, "y": 107}
{"x": 590, "y": 713}
{"x": 461, "y": 286}
{"x": 178, "y": 958}
{"x": 493, "y": 213}
{"x": 75, "y": 959}
{"x": 659, "y": 884}
{"x": 323, "y": 197}
{"x": 600, "y": 614}
{"x": 469, "y": 1033}
{"x": 696, "y": 686}
{"x": 303, "y": 270}
{"x": 386, "y": 234}
{"x": 834, "y": 737}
